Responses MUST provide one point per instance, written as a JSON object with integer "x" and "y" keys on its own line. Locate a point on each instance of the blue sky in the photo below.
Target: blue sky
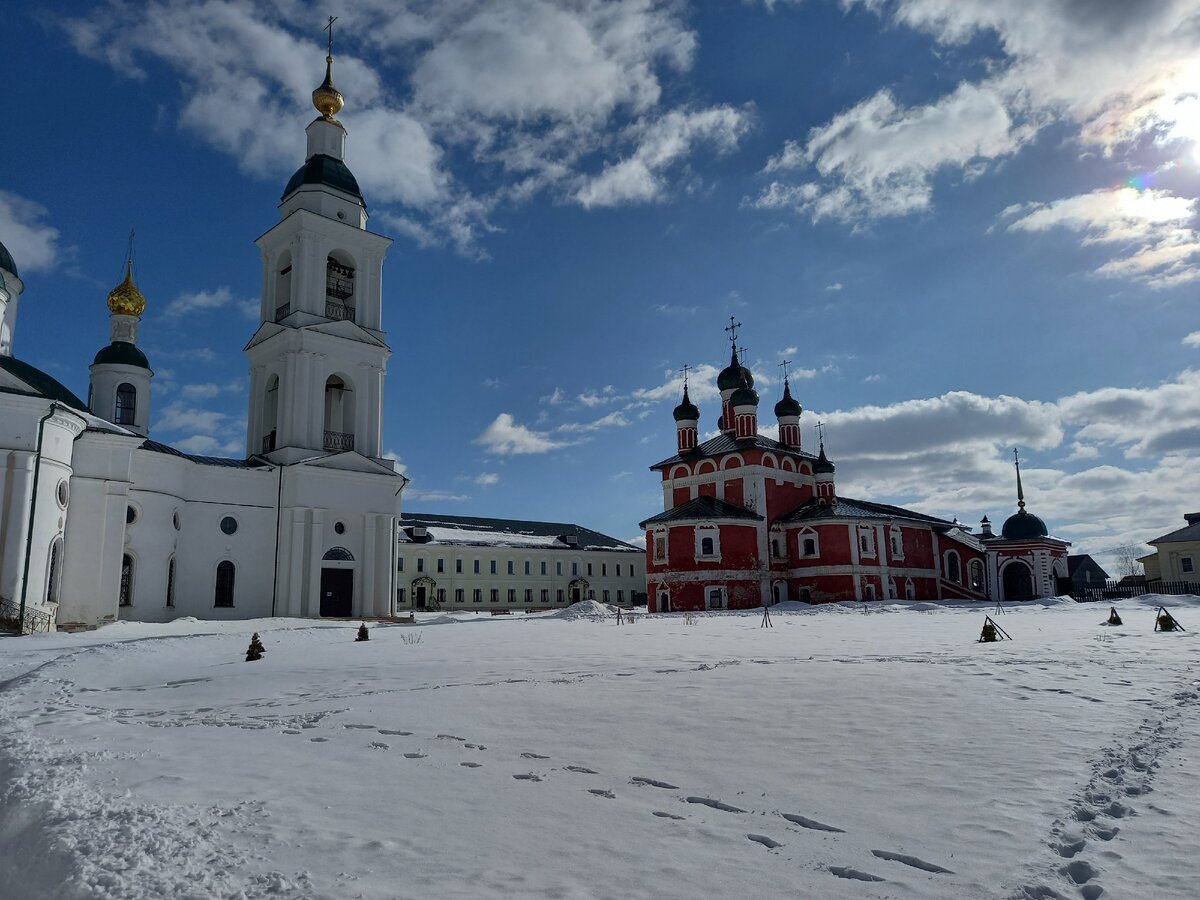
{"x": 970, "y": 224}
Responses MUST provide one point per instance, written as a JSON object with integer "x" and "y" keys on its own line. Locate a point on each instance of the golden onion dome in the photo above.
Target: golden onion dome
{"x": 125, "y": 299}
{"x": 327, "y": 99}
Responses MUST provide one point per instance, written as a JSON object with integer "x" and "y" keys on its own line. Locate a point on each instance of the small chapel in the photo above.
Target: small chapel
{"x": 100, "y": 522}
{"x": 751, "y": 521}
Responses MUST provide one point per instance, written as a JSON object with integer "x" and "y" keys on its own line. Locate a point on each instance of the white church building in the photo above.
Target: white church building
{"x": 99, "y": 522}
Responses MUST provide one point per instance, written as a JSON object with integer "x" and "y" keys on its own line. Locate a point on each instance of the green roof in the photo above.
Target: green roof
{"x": 1023, "y": 526}
{"x": 6, "y": 261}
{"x": 121, "y": 353}
{"x": 326, "y": 170}
{"x": 40, "y": 383}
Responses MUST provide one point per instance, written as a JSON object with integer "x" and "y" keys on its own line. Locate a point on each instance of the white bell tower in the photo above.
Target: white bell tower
{"x": 318, "y": 359}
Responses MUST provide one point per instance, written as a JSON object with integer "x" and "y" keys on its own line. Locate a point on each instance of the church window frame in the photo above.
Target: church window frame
{"x": 869, "y": 591}
{"x": 953, "y": 566}
{"x": 976, "y": 577}
{"x": 715, "y": 597}
{"x": 125, "y": 404}
{"x": 708, "y": 543}
{"x": 896, "y": 541}
{"x": 126, "y": 585}
{"x": 171, "y": 582}
{"x": 543, "y": 567}
{"x": 54, "y": 566}
{"x": 659, "y": 542}
{"x": 229, "y": 525}
{"x": 910, "y": 589}
{"x": 808, "y": 544}
{"x": 866, "y": 540}
{"x": 224, "y": 584}
{"x": 558, "y": 568}
{"x": 562, "y": 596}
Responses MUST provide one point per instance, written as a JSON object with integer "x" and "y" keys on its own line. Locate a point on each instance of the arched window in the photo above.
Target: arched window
{"x": 953, "y": 567}
{"x": 126, "y": 595}
{"x": 339, "y": 415}
{"x": 126, "y": 407}
{"x": 54, "y": 573}
{"x": 223, "y": 595}
{"x": 270, "y": 414}
{"x": 810, "y": 546}
{"x": 171, "y": 582}
{"x": 343, "y": 555}
{"x": 975, "y": 567}
{"x": 339, "y": 289}
{"x": 706, "y": 546}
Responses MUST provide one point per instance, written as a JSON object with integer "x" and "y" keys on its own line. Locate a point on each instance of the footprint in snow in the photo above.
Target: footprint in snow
{"x": 318, "y": 740}
{"x": 533, "y": 756}
{"x": 371, "y": 727}
{"x": 291, "y": 731}
{"x": 392, "y": 731}
{"x": 602, "y": 793}
{"x": 913, "y": 861}
{"x": 527, "y": 776}
{"x": 475, "y": 746}
{"x": 853, "y": 874}
{"x": 581, "y": 770}
{"x": 414, "y": 755}
{"x": 769, "y": 843}
{"x": 471, "y": 765}
{"x": 667, "y": 815}
{"x": 805, "y": 822}
{"x": 378, "y": 745}
{"x": 714, "y": 804}
{"x": 638, "y": 779}
{"x": 450, "y": 737}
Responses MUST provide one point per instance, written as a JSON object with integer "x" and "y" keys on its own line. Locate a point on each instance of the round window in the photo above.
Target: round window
{"x": 63, "y": 494}
{"x": 131, "y": 515}
{"x": 175, "y": 520}
{"x": 341, "y": 214}
{"x": 339, "y": 527}
{"x": 229, "y": 525}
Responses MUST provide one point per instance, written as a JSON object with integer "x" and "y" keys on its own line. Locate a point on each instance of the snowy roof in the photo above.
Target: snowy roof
{"x": 156, "y": 447}
{"x": 703, "y": 508}
{"x": 1189, "y": 532}
{"x": 849, "y": 508}
{"x": 727, "y": 443}
{"x": 481, "y": 531}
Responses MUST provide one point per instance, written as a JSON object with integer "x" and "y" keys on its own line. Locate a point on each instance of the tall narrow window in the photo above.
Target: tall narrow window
{"x": 543, "y": 567}
{"x": 126, "y": 596}
{"x": 171, "y": 582}
{"x": 270, "y": 415}
{"x": 975, "y": 567}
{"x": 339, "y": 290}
{"x": 458, "y": 595}
{"x": 223, "y": 594}
{"x": 54, "y": 575}
{"x": 495, "y": 595}
{"x": 126, "y": 408}
{"x": 339, "y": 415}
{"x": 953, "y": 567}
{"x": 510, "y": 567}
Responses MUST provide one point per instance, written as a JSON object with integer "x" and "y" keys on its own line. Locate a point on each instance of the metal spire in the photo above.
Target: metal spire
{"x": 1020, "y": 490}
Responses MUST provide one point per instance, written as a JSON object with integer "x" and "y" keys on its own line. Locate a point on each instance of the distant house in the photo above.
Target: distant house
{"x": 1085, "y": 572}
{"x": 1177, "y": 554}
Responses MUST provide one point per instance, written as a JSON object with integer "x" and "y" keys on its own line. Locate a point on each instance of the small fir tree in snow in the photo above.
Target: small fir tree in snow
{"x": 1164, "y": 621}
{"x": 363, "y": 634}
{"x": 1113, "y": 618}
{"x": 256, "y": 649}
{"x": 988, "y": 634}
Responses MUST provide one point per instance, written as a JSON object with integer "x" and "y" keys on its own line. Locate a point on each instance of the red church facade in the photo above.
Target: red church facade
{"x": 750, "y": 521}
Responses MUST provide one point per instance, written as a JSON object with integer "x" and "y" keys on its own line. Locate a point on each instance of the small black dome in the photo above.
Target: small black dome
{"x": 1022, "y": 526}
{"x": 121, "y": 353}
{"x": 45, "y": 385}
{"x": 686, "y": 409}
{"x": 6, "y": 261}
{"x": 744, "y": 396}
{"x": 734, "y": 376}
{"x": 823, "y": 465}
{"x": 326, "y": 170}
{"x": 788, "y": 405}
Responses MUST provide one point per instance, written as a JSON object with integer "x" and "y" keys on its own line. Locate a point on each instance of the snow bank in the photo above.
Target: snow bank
{"x": 584, "y": 609}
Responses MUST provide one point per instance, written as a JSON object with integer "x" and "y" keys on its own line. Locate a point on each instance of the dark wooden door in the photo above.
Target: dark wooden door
{"x": 419, "y": 600}
{"x": 337, "y": 592}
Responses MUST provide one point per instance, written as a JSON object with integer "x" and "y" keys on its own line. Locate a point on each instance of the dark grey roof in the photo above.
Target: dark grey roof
{"x": 40, "y": 383}
{"x": 727, "y": 443}
{"x": 6, "y": 262}
{"x": 1023, "y": 526}
{"x": 518, "y": 527}
{"x": 156, "y": 447}
{"x": 848, "y": 508}
{"x": 1083, "y": 561}
{"x": 703, "y": 508}
{"x": 326, "y": 170}
{"x": 1190, "y": 532}
{"x": 121, "y": 353}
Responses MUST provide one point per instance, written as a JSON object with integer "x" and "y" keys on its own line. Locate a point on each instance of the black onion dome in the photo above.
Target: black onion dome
{"x": 823, "y": 465}
{"x": 6, "y": 261}
{"x": 1023, "y": 526}
{"x": 788, "y": 405}
{"x": 323, "y": 169}
{"x": 686, "y": 410}
{"x": 121, "y": 353}
{"x": 734, "y": 376}
{"x": 744, "y": 396}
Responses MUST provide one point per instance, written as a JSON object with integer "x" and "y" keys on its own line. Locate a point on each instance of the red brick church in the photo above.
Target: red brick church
{"x": 750, "y": 521}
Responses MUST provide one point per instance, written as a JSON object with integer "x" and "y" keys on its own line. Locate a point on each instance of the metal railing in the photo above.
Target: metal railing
{"x": 268, "y": 442}
{"x": 282, "y": 312}
{"x": 35, "y": 619}
{"x": 338, "y": 441}
{"x": 338, "y": 311}
{"x": 1117, "y": 590}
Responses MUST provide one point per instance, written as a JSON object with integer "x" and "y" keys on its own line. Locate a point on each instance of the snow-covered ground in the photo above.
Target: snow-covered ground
{"x": 843, "y": 753}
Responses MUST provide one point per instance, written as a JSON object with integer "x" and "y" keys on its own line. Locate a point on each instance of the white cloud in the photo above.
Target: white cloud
{"x": 434, "y": 496}
{"x": 399, "y": 466}
{"x": 207, "y": 445}
{"x": 32, "y": 243}
{"x": 1192, "y": 340}
{"x": 613, "y": 419}
{"x": 486, "y": 479}
{"x": 836, "y": 286}
{"x": 180, "y": 417}
{"x": 869, "y": 379}
{"x": 506, "y": 437}
{"x": 672, "y": 309}
{"x": 204, "y": 301}
{"x": 787, "y": 351}
{"x": 599, "y": 398}
{"x": 554, "y": 398}
{"x": 1152, "y": 227}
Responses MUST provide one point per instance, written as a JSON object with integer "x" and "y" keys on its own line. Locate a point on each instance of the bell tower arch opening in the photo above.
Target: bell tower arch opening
{"x": 339, "y": 414}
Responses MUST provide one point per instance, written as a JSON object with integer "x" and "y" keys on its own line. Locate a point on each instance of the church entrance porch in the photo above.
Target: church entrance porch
{"x": 579, "y": 590}
{"x": 337, "y": 592}
{"x": 1018, "y": 581}
{"x": 423, "y": 593}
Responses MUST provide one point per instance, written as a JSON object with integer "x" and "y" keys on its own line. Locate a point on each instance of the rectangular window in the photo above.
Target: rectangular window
{"x": 458, "y": 566}
{"x": 441, "y": 567}
{"x": 618, "y": 570}
{"x": 510, "y": 567}
{"x": 400, "y": 595}
{"x": 528, "y": 595}
{"x": 603, "y": 569}
{"x": 528, "y": 565}
{"x": 558, "y": 568}
{"x": 620, "y": 596}
{"x": 632, "y": 571}
{"x": 495, "y": 595}
{"x": 574, "y": 569}
{"x": 400, "y": 564}
{"x": 512, "y": 595}
{"x": 441, "y": 596}
{"x": 561, "y": 596}
{"x": 1187, "y": 565}
{"x": 476, "y": 567}
{"x": 477, "y": 595}
{"x": 543, "y": 567}
{"x": 420, "y": 564}
{"x": 589, "y": 570}
{"x": 606, "y": 596}
{"x": 493, "y": 566}
{"x": 545, "y": 596}
{"x": 458, "y": 595}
